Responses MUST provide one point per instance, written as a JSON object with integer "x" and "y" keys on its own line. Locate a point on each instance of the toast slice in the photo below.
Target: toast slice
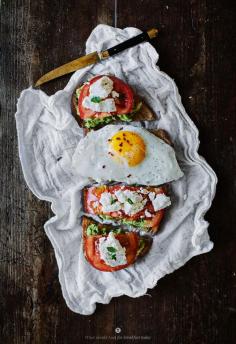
{"x": 163, "y": 135}
{"x": 95, "y": 230}
{"x": 143, "y": 114}
{"x": 146, "y": 219}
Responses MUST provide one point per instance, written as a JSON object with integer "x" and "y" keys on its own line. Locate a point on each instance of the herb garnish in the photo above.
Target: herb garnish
{"x": 111, "y": 249}
{"x": 96, "y": 99}
{"x": 92, "y": 229}
{"x": 112, "y": 252}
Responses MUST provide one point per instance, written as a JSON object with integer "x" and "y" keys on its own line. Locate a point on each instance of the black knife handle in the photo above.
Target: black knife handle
{"x": 128, "y": 44}
{"x": 144, "y": 36}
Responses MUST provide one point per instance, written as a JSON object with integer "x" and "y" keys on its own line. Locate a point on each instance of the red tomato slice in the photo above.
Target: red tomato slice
{"x": 124, "y": 103}
{"x": 126, "y": 94}
{"x": 128, "y": 240}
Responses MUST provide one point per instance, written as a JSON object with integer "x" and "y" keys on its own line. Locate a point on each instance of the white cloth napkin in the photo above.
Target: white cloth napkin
{"x": 48, "y": 136}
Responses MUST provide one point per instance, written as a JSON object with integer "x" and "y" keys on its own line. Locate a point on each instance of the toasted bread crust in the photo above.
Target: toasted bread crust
{"x": 74, "y": 107}
{"x": 145, "y": 113}
{"x": 86, "y": 221}
{"x": 148, "y": 244}
{"x": 163, "y": 135}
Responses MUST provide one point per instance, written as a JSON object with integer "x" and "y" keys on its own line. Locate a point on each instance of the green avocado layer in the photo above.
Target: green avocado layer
{"x": 93, "y": 229}
{"x": 91, "y": 123}
{"x": 135, "y": 223}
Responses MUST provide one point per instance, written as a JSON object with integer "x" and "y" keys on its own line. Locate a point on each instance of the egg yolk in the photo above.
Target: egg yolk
{"x": 127, "y": 146}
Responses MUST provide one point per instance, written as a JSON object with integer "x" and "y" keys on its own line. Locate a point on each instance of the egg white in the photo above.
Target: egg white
{"x": 91, "y": 159}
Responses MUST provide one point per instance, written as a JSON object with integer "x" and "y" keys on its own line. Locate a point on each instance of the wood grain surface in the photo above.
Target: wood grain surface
{"x": 194, "y": 305}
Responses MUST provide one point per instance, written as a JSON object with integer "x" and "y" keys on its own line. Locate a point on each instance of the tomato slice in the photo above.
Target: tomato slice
{"x": 126, "y": 94}
{"x": 124, "y": 103}
{"x": 128, "y": 240}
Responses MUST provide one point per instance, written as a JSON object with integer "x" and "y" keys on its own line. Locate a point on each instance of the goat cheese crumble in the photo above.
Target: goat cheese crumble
{"x": 101, "y": 88}
{"x": 98, "y": 91}
{"x": 132, "y": 202}
{"x": 159, "y": 201}
{"x": 115, "y": 94}
{"x": 111, "y": 251}
{"x": 109, "y": 203}
{"x": 147, "y": 214}
{"x": 106, "y": 105}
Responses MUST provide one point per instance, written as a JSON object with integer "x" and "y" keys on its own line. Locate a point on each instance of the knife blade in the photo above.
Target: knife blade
{"x": 95, "y": 57}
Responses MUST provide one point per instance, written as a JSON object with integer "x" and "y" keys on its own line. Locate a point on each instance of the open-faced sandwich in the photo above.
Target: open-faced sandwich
{"x": 105, "y": 99}
{"x": 109, "y": 248}
{"x": 136, "y": 206}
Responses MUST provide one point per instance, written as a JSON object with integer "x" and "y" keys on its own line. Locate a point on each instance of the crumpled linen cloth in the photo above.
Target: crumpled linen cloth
{"x": 47, "y": 138}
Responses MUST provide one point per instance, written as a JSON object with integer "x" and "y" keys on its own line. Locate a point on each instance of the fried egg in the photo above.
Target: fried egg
{"x": 126, "y": 154}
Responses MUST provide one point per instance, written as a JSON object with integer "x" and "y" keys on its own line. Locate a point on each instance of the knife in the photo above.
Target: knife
{"x": 95, "y": 57}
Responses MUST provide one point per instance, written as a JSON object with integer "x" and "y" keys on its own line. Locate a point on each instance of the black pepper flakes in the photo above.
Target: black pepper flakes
{"x": 129, "y": 175}
{"x": 103, "y": 166}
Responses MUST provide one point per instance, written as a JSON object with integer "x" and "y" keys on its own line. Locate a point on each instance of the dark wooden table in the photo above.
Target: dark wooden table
{"x": 195, "y": 304}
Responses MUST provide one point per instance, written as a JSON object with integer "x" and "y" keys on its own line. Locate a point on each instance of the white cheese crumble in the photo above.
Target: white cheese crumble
{"x": 131, "y": 209}
{"x": 106, "y": 105}
{"x": 115, "y": 94}
{"x": 147, "y": 214}
{"x": 132, "y": 202}
{"x": 159, "y": 201}
{"x": 111, "y": 250}
{"x": 101, "y": 88}
{"x": 122, "y": 196}
{"x": 108, "y": 203}
{"x": 129, "y": 201}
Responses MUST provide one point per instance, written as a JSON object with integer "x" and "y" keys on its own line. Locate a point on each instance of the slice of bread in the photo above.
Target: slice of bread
{"x": 145, "y": 113}
{"x": 163, "y": 135}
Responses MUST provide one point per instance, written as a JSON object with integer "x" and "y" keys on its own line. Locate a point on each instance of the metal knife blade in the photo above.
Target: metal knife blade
{"x": 69, "y": 67}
